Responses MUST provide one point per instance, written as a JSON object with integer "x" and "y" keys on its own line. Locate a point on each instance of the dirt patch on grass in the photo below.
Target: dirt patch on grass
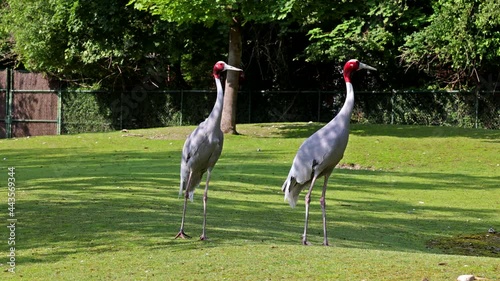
{"x": 483, "y": 244}
{"x": 353, "y": 166}
{"x": 168, "y": 137}
{"x": 167, "y": 133}
{"x": 133, "y": 135}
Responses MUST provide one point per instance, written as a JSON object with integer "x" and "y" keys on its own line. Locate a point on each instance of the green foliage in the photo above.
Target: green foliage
{"x": 337, "y": 43}
{"x": 38, "y": 28}
{"x": 208, "y": 12}
{"x": 368, "y": 30}
{"x": 460, "y": 43}
{"x": 446, "y": 109}
{"x": 82, "y": 112}
{"x": 102, "y": 111}
{"x": 100, "y": 42}
{"x": 99, "y": 111}
{"x": 5, "y": 41}
{"x": 361, "y": 30}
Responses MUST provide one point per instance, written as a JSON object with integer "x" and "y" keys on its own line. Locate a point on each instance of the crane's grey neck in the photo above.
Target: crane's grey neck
{"x": 346, "y": 111}
{"x": 215, "y": 116}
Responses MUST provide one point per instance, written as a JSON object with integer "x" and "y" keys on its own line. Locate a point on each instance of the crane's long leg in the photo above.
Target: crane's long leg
{"x": 308, "y": 201}
{"x": 181, "y": 233}
{"x": 322, "y": 200}
{"x": 205, "y": 198}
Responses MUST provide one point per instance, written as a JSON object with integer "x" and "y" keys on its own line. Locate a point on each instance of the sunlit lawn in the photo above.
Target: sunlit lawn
{"x": 106, "y": 207}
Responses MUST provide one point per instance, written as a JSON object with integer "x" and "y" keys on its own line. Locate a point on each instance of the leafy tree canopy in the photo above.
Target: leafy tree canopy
{"x": 369, "y": 30}
{"x": 96, "y": 41}
{"x": 460, "y": 43}
{"x": 413, "y": 43}
{"x": 209, "y": 11}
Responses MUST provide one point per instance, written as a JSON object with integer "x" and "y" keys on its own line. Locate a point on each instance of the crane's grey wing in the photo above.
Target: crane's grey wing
{"x": 301, "y": 172}
{"x": 200, "y": 152}
{"x": 203, "y": 149}
{"x": 217, "y": 144}
{"x": 326, "y": 147}
{"x": 318, "y": 155}
{"x": 189, "y": 156}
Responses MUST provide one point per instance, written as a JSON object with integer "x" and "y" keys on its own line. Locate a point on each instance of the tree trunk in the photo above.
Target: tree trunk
{"x": 228, "y": 122}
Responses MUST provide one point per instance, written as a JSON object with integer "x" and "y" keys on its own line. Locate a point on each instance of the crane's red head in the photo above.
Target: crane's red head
{"x": 353, "y": 65}
{"x": 221, "y": 66}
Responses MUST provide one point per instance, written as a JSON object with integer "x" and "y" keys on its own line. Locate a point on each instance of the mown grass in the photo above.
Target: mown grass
{"x": 106, "y": 207}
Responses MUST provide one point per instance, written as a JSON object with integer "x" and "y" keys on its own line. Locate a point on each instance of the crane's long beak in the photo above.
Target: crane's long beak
{"x": 365, "y": 66}
{"x": 229, "y": 67}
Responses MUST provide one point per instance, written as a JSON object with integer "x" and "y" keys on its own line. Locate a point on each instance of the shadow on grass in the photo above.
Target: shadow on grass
{"x": 77, "y": 201}
{"x": 304, "y": 130}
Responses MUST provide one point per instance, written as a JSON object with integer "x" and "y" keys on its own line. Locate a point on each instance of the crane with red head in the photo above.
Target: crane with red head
{"x": 321, "y": 152}
{"x": 202, "y": 150}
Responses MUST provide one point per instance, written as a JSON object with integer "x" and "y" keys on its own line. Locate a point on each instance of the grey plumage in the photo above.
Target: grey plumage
{"x": 201, "y": 151}
{"x": 321, "y": 152}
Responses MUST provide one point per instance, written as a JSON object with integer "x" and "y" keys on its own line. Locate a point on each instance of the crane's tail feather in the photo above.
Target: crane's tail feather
{"x": 183, "y": 186}
{"x": 181, "y": 192}
{"x": 181, "y": 189}
{"x": 292, "y": 190}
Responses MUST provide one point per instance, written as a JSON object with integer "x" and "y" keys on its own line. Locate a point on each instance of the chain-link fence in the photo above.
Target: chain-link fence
{"x": 30, "y": 107}
{"x": 93, "y": 111}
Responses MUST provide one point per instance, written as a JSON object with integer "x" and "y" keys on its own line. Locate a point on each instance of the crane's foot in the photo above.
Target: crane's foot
{"x": 306, "y": 243}
{"x": 203, "y": 237}
{"x": 182, "y": 235}
{"x": 325, "y": 243}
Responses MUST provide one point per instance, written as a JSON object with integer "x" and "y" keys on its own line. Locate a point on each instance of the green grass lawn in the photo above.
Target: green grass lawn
{"x": 106, "y": 207}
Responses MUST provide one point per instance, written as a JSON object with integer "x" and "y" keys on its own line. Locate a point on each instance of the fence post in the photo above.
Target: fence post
{"x": 182, "y": 105}
{"x": 59, "y": 110}
{"x": 392, "y": 107}
{"x": 249, "y": 106}
{"x": 319, "y": 105}
{"x": 8, "y": 109}
{"x": 121, "y": 110}
{"x": 476, "y": 105}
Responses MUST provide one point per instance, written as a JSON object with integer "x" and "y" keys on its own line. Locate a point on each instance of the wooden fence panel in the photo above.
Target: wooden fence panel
{"x": 33, "y": 105}
{"x": 34, "y": 114}
{"x": 3, "y": 103}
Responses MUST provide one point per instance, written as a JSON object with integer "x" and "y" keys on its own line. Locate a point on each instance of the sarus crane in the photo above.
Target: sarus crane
{"x": 321, "y": 152}
{"x": 202, "y": 150}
